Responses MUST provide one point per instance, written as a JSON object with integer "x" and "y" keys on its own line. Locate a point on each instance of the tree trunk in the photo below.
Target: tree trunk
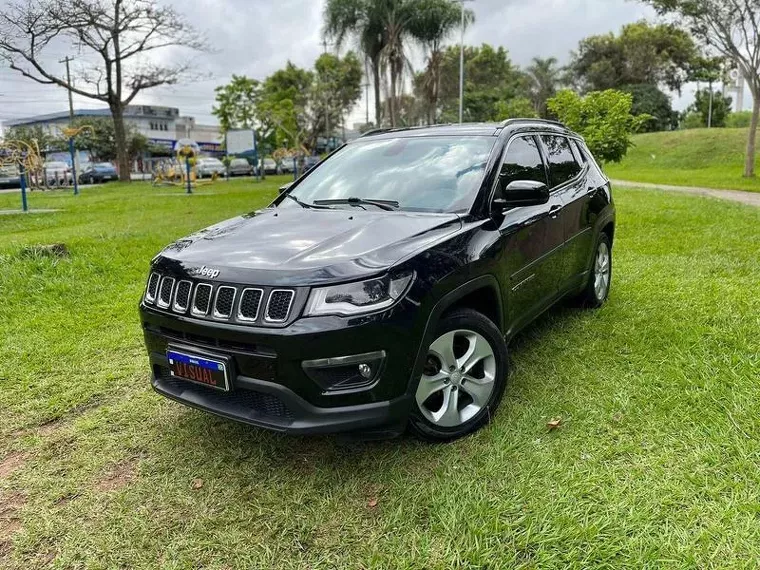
{"x": 749, "y": 161}
{"x": 392, "y": 97}
{"x": 376, "y": 80}
{"x": 120, "y": 136}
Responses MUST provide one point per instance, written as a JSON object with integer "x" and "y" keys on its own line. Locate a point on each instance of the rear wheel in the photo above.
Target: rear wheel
{"x": 463, "y": 379}
{"x": 598, "y": 288}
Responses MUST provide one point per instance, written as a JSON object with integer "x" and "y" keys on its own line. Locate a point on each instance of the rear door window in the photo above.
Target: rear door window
{"x": 562, "y": 164}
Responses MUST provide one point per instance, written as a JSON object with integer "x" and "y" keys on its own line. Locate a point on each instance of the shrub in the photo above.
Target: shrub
{"x": 692, "y": 121}
{"x": 739, "y": 120}
{"x": 603, "y": 118}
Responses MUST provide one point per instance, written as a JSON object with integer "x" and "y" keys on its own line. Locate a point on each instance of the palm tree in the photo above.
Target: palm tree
{"x": 434, "y": 21}
{"x": 396, "y": 17}
{"x": 360, "y": 20}
{"x": 544, "y": 76}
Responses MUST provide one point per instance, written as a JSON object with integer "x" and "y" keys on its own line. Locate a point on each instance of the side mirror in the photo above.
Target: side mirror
{"x": 523, "y": 193}
{"x": 285, "y": 187}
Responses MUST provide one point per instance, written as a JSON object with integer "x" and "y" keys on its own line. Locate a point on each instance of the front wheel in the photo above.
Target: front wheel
{"x": 463, "y": 380}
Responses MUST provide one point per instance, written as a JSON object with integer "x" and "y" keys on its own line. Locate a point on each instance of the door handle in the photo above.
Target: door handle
{"x": 555, "y": 210}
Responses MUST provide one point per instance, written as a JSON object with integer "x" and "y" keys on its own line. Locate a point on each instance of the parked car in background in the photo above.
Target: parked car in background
{"x": 269, "y": 165}
{"x": 57, "y": 173}
{"x": 240, "y": 167}
{"x": 97, "y": 172}
{"x": 207, "y": 167}
{"x": 286, "y": 166}
{"x": 379, "y": 292}
{"x": 309, "y": 163}
{"x": 9, "y": 177}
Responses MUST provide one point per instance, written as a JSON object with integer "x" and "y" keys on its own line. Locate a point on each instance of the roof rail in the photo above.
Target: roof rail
{"x": 526, "y": 120}
{"x": 377, "y": 131}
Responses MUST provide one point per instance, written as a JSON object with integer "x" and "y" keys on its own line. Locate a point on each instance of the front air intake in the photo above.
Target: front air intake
{"x": 202, "y": 299}
{"x": 278, "y": 306}
{"x": 152, "y": 290}
{"x": 225, "y": 299}
{"x": 165, "y": 292}
{"x": 182, "y": 297}
{"x": 250, "y": 301}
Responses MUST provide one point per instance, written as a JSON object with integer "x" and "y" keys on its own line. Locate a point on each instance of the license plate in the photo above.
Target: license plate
{"x": 199, "y": 369}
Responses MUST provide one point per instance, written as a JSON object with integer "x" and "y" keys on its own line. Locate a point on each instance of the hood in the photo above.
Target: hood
{"x": 279, "y": 246}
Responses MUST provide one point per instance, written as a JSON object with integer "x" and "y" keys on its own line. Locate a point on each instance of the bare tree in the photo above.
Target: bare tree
{"x": 116, "y": 39}
{"x": 732, "y": 28}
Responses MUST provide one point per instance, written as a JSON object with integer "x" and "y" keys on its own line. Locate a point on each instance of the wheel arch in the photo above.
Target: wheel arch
{"x": 475, "y": 294}
{"x": 609, "y": 229}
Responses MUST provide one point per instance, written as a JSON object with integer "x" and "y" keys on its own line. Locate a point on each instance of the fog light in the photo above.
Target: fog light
{"x": 345, "y": 372}
{"x": 365, "y": 370}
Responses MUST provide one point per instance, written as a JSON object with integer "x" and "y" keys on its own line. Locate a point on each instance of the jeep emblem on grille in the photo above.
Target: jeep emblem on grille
{"x": 204, "y": 271}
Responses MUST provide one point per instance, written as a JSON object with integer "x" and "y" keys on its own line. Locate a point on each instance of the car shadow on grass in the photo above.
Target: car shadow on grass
{"x": 214, "y": 440}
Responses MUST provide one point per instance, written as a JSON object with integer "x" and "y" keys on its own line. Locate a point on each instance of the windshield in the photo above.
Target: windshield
{"x": 431, "y": 174}
{"x": 104, "y": 165}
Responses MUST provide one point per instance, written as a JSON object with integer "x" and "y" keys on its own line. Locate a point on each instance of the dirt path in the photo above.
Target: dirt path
{"x": 749, "y": 198}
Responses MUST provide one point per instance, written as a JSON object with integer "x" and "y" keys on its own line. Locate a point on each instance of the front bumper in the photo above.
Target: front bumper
{"x": 270, "y": 388}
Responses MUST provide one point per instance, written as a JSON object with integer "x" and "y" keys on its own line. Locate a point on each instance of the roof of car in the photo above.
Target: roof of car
{"x": 465, "y": 129}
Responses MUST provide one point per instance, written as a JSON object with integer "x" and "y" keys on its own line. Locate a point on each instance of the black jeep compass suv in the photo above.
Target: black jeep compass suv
{"x": 379, "y": 291}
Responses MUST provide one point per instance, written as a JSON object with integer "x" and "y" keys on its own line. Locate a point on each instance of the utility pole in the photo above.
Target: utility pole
{"x": 461, "y": 64}
{"x": 72, "y": 150}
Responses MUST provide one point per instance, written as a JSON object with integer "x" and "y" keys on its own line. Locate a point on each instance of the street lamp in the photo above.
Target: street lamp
{"x": 461, "y": 63}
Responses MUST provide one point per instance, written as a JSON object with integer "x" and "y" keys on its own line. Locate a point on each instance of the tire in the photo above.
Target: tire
{"x": 600, "y": 277}
{"x": 452, "y": 404}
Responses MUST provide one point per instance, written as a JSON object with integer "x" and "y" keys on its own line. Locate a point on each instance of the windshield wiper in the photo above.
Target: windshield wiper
{"x": 306, "y": 204}
{"x": 353, "y": 201}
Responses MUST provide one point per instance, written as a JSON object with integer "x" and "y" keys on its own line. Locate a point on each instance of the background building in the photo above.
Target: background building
{"x": 162, "y": 126}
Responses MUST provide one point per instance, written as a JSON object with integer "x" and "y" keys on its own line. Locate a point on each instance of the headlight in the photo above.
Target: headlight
{"x": 358, "y": 298}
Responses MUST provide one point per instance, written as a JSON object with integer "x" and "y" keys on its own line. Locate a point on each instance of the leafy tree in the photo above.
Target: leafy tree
{"x": 236, "y": 103}
{"x": 285, "y": 102}
{"x": 602, "y": 118}
{"x": 642, "y": 53}
{"x": 649, "y": 100}
{"x": 34, "y": 136}
{"x": 543, "y": 77}
{"x": 432, "y": 23}
{"x": 490, "y": 77}
{"x": 114, "y": 40}
{"x": 517, "y": 108}
{"x": 100, "y": 139}
{"x": 721, "y": 107}
{"x": 336, "y": 89}
{"x": 732, "y": 28}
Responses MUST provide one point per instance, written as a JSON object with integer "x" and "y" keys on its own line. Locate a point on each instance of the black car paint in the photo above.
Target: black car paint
{"x": 511, "y": 265}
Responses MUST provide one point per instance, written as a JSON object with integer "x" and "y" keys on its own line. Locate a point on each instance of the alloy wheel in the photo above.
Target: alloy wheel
{"x": 458, "y": 378}
{"x": 602, "y": 271}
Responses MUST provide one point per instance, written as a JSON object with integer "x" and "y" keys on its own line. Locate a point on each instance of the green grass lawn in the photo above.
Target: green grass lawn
{"x": 657, "y": 462}
{"x": 709, "y": 158}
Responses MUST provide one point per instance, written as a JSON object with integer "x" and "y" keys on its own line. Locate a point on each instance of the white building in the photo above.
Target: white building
{"x": 160, "y": 125}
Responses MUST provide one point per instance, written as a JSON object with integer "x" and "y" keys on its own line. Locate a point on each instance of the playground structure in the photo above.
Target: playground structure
{"x": 27, "y": 159}
{"x": 181, "y": 171}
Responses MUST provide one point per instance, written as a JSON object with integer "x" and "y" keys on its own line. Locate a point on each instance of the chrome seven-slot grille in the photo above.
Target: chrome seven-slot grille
{"x": 223, "y": 302}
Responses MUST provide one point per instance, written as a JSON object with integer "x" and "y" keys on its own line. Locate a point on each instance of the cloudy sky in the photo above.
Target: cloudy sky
{"x": 256, "y": 37}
